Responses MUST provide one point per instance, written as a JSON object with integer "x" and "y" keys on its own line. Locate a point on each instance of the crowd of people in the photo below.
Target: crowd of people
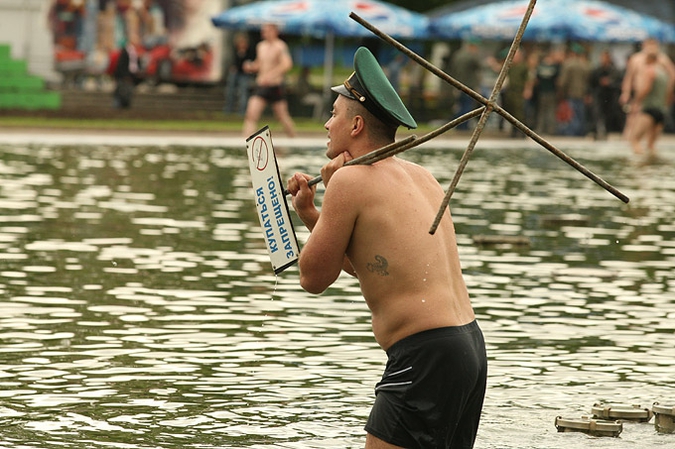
{"x": 557, "y": 90}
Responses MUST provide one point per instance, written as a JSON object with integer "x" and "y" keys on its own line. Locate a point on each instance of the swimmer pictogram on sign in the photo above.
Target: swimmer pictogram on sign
{"x": 260, "y": 153}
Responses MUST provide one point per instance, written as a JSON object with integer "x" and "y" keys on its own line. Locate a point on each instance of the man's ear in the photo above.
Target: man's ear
{"x": 358, "y": 125}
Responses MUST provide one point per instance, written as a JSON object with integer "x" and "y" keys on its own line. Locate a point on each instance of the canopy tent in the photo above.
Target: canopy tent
{"x": 321, "y": 18}
{"x": 590, "y": 20}
{"x": 665, "y": 11}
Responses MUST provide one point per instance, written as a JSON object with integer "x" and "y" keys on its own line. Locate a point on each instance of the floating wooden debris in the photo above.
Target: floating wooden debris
{"x": 564, "y": 220}
{"x": 593, "y": 427}
{"x": 488, "y": 240}
{"x": 664, "y": 418}
{"x": 623, "y": 412}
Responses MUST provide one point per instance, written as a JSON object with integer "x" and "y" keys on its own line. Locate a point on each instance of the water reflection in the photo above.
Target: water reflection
{"x": 139, "y": 308}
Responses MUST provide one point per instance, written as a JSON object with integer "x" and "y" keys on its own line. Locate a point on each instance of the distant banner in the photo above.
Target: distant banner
{"x": 175, "y": 39}
{"x": 270, "y": 200}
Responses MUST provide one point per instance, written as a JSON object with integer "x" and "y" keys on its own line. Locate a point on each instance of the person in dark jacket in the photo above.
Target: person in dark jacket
{"x": 239, "y": 82}
{"x": 125, "y": 75}
{"x": 605, "y": 89}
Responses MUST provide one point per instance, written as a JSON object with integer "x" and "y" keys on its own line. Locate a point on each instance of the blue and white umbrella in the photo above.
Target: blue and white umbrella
{"x": 553, "y": 20}
{"x": 320, "y": 18}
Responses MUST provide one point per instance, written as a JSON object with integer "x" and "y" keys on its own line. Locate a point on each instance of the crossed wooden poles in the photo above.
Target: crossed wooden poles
{"x": 489, "y": 105}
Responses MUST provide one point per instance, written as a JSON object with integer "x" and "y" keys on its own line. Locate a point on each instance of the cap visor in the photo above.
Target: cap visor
{"x": 342, "y": 90}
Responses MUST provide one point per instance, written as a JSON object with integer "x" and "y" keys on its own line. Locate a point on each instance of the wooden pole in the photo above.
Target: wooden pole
{"x": 489, "y": 107}
{"x": 378, "y": 155}
{"x": 403, "y": 144}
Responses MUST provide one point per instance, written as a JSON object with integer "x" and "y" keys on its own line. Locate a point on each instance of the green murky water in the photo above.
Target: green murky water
{"x": 138, "y": 308}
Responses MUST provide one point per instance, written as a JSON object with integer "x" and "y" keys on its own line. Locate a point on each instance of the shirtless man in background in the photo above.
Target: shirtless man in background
{"x": 374, "y": 224}
{"x": 653, "y": 86}
{"x": 632, "y": 77}
{"x": 273, "y": 60}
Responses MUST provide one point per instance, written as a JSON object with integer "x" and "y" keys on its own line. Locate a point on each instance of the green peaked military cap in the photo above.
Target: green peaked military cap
{"x": 369, "y": 85}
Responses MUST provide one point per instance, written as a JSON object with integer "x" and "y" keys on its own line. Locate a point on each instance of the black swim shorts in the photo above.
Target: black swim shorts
{"x": 271, "y": 94}
{"x": 431, "y": 393}
{"x": 657, "y": 114}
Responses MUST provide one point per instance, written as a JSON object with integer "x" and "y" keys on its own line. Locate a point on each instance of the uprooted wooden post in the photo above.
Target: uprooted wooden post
{"x": 490, "y": 105}
{"x": 404, "y": 144}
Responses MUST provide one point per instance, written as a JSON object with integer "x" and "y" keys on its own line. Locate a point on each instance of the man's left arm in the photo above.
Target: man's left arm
{"x": 286, "y": 63}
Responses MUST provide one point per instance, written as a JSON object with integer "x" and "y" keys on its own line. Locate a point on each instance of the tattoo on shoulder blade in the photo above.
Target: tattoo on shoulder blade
{"x": 379, "y": 266}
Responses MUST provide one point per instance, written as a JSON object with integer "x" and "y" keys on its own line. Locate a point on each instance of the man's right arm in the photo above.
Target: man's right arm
{"x": 323, "y": 256}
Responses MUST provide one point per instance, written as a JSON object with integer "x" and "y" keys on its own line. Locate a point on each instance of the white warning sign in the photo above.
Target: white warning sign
{"x": 270, "y": 201}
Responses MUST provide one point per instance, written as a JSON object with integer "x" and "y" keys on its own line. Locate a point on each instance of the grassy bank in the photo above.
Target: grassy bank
{"x": 204, "y": 123}
{"x": 187, "y": 123}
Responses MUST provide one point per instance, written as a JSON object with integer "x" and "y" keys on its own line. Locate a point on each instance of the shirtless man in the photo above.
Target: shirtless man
{"x": 373, "y": 224}
{"x": 272, "y": 62}
{"x": 651, "y": 92}
{"x": 631, "y": 79}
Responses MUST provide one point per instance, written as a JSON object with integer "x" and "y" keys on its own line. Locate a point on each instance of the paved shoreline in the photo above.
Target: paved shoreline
{"x": 48, "y": 136}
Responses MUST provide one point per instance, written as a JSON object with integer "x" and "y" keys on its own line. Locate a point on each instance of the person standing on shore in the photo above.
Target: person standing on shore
{"x": 238, "y": 81}
{"x": 125, "y": 75}
{"x": 546, "y": 75}
{"x": 373, "y": 224}
{"x": 604, "y": 83}
{"x": 273, "y": 60}
{"x": 513, "y": 94}
{"x": 573, "y": 88}
{"x": 466, "y": 65}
